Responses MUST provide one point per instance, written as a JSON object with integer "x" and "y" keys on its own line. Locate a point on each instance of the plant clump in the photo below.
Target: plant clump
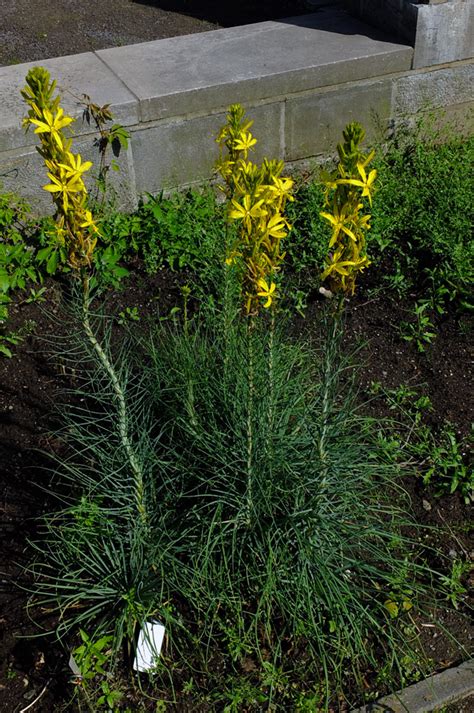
{"x": 218, "y": 476}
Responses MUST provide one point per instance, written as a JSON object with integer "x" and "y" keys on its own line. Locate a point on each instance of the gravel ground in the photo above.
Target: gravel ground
{"x": 32, "y": 30}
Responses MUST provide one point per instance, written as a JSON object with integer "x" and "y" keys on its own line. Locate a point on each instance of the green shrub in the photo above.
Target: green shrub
{"x": 423, "y": 217}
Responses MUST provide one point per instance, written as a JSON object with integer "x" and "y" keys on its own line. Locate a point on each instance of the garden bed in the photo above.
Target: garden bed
{"x": 31, "y": 385}
{"x": 407, "y": 333}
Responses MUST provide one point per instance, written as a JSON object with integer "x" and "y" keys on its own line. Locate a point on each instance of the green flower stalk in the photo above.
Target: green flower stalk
{"x": 76, "y": 229}
{"x": 256, "y": 199}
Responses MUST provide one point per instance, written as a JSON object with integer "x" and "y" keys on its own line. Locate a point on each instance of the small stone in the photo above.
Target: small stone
{"x": 29, "y": 694}
{"x": 427, "y": 505}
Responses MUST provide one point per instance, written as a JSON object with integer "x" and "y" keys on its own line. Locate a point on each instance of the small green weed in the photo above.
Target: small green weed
{"x": 93, "y": 660}
{"x": 129, "y": 314}
{"x": 421, "y": 331}
{"x": 91, "y": 655}
{"x": 453, "y": 583}
{"x": 7, "y": 341}
{"x": 113, "y": 137}
{"x": 448, "y": 470}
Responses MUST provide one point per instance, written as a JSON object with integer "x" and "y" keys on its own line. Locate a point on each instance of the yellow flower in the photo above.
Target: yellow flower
{"x": 339, "y": 222}
{"x": 276, "y": 226}
{"x": 282, "y": 187}
{"x": 64, "y": 186}
{"x": 365, "y": 183}
{"x": 225, "y": 168}
{"x": 250, "y": 171}
{"x": 89, "y": 222}
{"x": 363, "y": 222}
{"x": 52, "y": 124}
{"x": 266, "y": 291}
{"x": 246, "y": 212}
{"x": 244, "y": 142}
{"x": 75, "y": 167}
{"x": 342, "y": 267}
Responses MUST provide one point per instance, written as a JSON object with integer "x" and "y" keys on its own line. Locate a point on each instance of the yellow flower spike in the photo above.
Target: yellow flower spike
{"x": 266, "y": 291}
{"x": 52, "y": 124}
{"x": 343, "y": 190}
{"x": 257, "y": 195}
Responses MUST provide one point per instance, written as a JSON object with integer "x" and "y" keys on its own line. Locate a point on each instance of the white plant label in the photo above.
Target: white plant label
{"x": 150, "y": 641}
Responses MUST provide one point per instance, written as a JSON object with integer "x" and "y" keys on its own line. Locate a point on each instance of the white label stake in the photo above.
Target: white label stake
{"x": 150, "y": 641}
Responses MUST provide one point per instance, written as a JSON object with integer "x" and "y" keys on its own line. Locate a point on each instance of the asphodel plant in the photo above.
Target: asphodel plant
{"x": 256, "y": 200}
{"x": 257, "y": 196}
{"x": 76, "y": 230}
{"x": 348, "y": 198}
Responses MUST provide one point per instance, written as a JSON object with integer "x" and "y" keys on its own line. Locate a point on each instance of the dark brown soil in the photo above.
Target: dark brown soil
{"x": 29, "y": 387}
{"x": 31, "y": 31}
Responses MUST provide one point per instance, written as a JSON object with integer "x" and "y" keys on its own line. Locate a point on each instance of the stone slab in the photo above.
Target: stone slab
{"x": 432, "y": 89}
{"x": 314, "y": 123}
{"x": 455, "y": 121}
{"x": 76, "y": 75}
{"x": 431, "y": 694}
{"x": 199, "y": 73}
{"x": 179, "y": 152}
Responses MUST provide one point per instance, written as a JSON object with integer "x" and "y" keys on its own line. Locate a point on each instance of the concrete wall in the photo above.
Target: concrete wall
{"x": 301, "y": 79}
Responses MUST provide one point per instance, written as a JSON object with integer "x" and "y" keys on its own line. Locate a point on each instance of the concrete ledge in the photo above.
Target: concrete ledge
{"x": 444, "y": 688}
{"x": 184, "y": 75}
